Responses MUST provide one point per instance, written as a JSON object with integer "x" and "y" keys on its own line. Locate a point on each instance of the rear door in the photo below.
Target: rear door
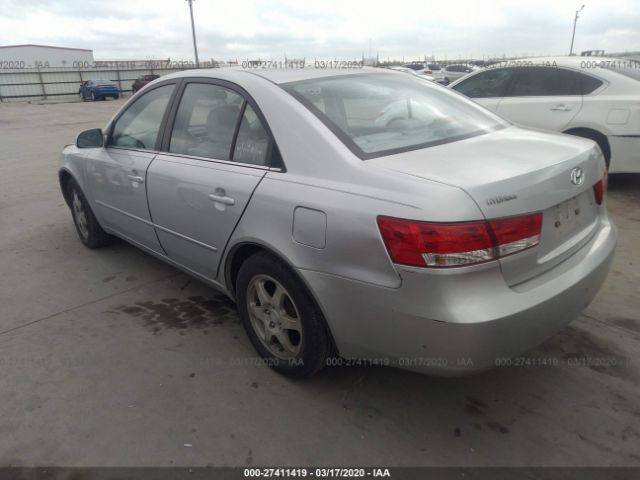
{"x": 542, "y": 97}
{"x": 216, "y": 153}
{"x": 486, "y": 88}
{"x": 117, "y": 173}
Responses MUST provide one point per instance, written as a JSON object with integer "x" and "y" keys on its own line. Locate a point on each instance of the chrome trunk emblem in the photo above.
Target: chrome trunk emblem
{"x": 577, "y": 176}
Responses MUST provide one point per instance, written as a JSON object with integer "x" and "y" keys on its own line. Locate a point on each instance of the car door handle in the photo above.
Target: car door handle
{"x": 135, "y": 178}
{"x": 561, "y": 108}
{"x": 222, "y": 199}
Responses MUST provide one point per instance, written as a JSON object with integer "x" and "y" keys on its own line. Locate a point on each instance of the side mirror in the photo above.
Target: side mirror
{"x": 93, "y": 138}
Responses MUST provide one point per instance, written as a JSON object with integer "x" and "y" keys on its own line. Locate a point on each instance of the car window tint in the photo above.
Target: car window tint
{"x": 377, "y": 114}
{"x": 139, "y": 125}
{"x": 491, "y": 83}
{"x": 206, "y": 121}
{"x": 545, "y": 81}
{"x": 589, "y": 84}
{"x": 252, "y": 142}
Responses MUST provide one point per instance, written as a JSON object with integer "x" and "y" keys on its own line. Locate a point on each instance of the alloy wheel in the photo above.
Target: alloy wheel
{"x": 80, "y": 215}
{"x": 274, "y": 317}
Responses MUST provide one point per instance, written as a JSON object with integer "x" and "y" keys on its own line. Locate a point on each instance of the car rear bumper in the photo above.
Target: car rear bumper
{"x": 107, "y": 92}
{"x": 454, "y": 322}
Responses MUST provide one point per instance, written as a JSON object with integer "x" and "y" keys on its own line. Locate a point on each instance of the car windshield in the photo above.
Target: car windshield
{"x": 381, "y": 114}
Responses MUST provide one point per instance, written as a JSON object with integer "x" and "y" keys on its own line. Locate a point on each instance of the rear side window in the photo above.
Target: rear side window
{"x": 589, "y": 84}
{"x": 252, "y": 143}
{"x": 206, "y": 121}
{"x": 545, "y": 81}
{"x": 490, "y": 83}
{"x": 139, "y": 125}
{"x": 382, "y": 114}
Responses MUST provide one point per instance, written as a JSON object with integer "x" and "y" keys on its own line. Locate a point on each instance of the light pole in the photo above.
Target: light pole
{"x": 193, "y": 32}
{"x": 575, "y": 20}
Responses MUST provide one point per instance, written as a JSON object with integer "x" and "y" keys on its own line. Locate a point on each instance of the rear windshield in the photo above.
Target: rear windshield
{"x": 382, "y": 114}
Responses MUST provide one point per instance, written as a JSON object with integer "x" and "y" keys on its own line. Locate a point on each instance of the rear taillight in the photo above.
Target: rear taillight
{"x": 600, "y": 188}
{"x": 428, "y": 72}
{"x": 423, "y": 244}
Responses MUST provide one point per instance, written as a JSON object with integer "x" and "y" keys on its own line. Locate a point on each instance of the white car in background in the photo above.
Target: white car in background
{"x": 411, "y": 71}
{"x": 451, "y": 73}
{"x": 593, "y": 98}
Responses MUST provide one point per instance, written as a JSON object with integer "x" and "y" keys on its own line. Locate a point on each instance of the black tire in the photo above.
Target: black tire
{"x": 116, "y": 97}
{"x": 103, "y": 98}
{"x": 89, "y": 230}
{"x": 313, "y": 342}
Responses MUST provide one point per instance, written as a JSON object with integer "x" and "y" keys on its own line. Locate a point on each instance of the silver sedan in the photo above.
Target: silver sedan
{"x": 360, "y": 214}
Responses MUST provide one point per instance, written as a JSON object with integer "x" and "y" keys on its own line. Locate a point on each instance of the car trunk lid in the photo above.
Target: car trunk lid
{"x": 514, "y": 172}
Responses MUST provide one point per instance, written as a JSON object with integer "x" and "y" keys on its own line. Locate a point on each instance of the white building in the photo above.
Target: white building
{"x": 44, "y": 56}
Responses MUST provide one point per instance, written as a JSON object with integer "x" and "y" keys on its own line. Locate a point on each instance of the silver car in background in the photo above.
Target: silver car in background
{"x": 352, "y": 214}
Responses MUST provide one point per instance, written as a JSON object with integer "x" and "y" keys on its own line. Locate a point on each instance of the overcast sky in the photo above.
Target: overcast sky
{"x": 141, "y": 29}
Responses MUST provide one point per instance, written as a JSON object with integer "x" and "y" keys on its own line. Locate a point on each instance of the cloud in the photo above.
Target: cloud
{"x": 332, "y": 28}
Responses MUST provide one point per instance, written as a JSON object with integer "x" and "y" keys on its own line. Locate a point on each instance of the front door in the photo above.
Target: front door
{"x": 116, "y": 175}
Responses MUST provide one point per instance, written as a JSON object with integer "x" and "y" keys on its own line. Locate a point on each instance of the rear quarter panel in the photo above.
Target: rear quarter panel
{"x": 323, "y": 175}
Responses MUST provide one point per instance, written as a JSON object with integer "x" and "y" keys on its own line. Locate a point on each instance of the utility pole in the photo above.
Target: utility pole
{"x": 193, "y": 32}
{"x": 575, "y": 20}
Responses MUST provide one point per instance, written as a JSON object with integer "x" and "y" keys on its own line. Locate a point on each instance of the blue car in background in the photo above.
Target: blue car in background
{"x": 98, "y": 90}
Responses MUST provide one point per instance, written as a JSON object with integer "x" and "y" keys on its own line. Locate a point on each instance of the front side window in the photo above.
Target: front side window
{"x": 139, "y": 125}
{"x": 490, "y": 83}
{"x": 379, "y": 114}
{"x": 206, "y": 121}
{"x": 545, "y": 81}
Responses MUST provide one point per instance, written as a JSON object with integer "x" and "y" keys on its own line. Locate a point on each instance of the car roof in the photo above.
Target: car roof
{"x": 277, "y": 75}
{"x": 565, "y": 60}
{"x": 589, "y": 65}
{"x": 574, "y": 61}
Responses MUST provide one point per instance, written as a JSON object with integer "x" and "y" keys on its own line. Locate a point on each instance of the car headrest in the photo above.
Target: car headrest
{"x": 221, "y": 122}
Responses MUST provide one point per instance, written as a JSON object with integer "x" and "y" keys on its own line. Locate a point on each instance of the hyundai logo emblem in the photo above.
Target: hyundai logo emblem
{"x": 577, "y": 176}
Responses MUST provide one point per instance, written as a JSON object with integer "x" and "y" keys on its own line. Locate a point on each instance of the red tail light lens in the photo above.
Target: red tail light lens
{"x": 428, "y": 72}
{"x": 513, "y": 234}
{"x": 423, "y": 244}
{"x": 600, "y": 188}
